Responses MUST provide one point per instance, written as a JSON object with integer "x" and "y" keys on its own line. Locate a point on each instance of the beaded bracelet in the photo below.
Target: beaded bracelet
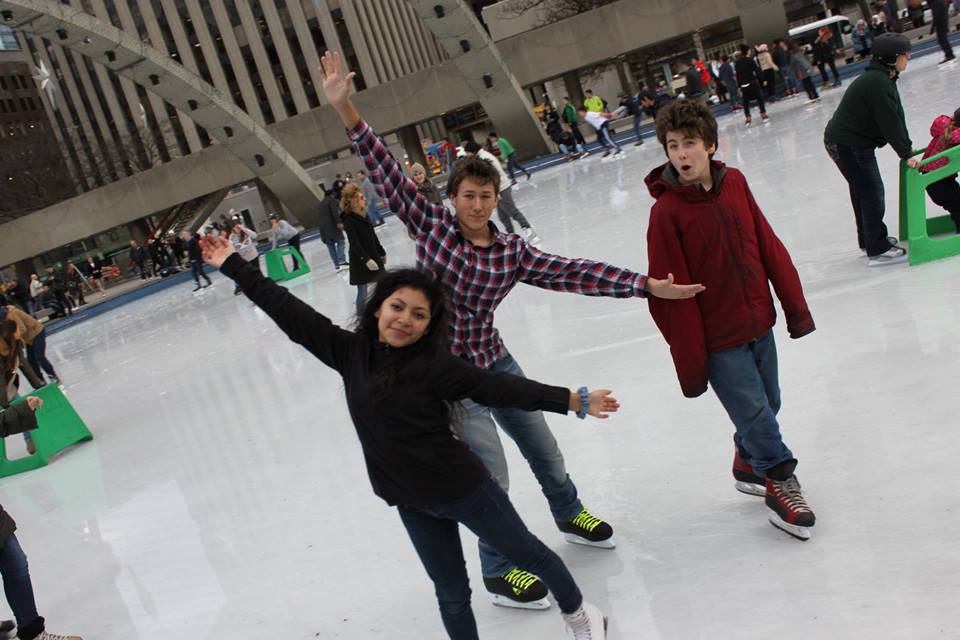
{"x": 584, "y": 402}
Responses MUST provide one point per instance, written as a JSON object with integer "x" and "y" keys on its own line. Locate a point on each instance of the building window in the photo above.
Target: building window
{"x": 3, "y": 83}
{"x": 8, "y": 41}
{"x": 346, "y": 43}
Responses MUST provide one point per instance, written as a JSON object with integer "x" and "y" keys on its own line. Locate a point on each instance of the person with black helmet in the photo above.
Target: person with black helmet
{"x": 283, "y": 231}
{"x": 870, "y": 116}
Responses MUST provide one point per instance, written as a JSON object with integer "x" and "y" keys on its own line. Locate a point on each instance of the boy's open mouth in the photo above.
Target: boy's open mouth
{"x": 685, "y": 167}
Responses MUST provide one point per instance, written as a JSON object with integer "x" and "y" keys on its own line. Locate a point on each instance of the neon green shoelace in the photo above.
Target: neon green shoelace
{"x": 520, "y": 580}
{"x": 586, "y": 521}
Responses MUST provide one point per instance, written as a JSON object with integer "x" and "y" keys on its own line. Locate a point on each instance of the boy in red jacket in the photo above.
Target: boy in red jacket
{"x": 706, "y": 227}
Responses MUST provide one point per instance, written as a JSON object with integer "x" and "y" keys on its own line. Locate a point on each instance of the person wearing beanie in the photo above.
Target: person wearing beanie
{"x": 424, "y": 185}
{"x": 870, "y": 115}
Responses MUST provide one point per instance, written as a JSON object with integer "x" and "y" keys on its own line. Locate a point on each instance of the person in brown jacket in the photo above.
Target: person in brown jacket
{"x": 11, "y": 360}
{"x": 34, "y": 336}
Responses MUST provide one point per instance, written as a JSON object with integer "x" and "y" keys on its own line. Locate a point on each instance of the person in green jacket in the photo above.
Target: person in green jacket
{"x": 509, "y": 155}
{"x": 573, "y": 121}
{"x": 592, "y": 102}
{"x": 870, "y": 116}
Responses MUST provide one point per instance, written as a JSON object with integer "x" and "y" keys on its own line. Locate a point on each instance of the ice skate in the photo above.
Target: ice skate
{"x": 587, "y": 530}
{"x": 517, "y": 589}
{"x": 764, "y": 117}
{"x": 8, "y": 629}
{"x": 584, "y": 154}
{"x": 748, "y": 481}
{"x": 893, "y": 255}
{"x": 789, "y": 511}
{"x": 586, "y": 623}
{"x": 55, "y": 636}
{"x": 748, "y": 120}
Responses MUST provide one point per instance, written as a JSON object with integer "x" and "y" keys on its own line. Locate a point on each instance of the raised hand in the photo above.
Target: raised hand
{"x": 602, "y": 404}
{"x": 216, "y": 249}
{"x": 670, "y": 291}
{"x": 336, "y": 82}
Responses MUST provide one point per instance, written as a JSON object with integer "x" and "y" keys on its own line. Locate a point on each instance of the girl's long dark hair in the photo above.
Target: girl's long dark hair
{"x": 436, "y": 336}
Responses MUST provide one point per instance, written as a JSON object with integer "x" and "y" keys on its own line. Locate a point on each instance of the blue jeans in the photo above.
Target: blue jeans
{"x": 16, "y": 582}
{"x": 361, "y": 297}
{"x": 487, "y": 512}
{"x": 530, "y": 432}
{"x": 789, "y": 80}
{"x": 512, "y": 165}
{"x": 636, "y": 128}
{"x": 37, "y": 355}
{"x": 858, "y": 165}
{"x": 746, "y": 381}
{"x": 373, "y": 214}
{"x": 335, "y": 248}
{"x": 196, "y": 269}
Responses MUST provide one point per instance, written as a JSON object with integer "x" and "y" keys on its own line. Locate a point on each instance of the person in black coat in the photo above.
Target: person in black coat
{"x": 366, "y": 255}
{"x": 138, "y": 258}
{"x": 58, "y": 288}
{"x": 331, "y": 229}
{"x": 13, "y": 561}
{"x": 401, "y": 380}
{"x": 749, "y": 81}
{"x": 823, "y": 55}
{"x": 941, "y": 24}
{"x": 195, "y": 254}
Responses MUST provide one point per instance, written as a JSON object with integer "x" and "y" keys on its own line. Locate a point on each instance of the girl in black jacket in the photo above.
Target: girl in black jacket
{"x": 400, "y": 380}
{"x": 366, "y": 256}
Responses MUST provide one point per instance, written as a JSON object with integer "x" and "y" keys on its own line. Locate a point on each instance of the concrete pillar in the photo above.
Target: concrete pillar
{"x": 624, "y": 76}
{"x": 571, "y": 80}
{"x": 272, "y": 204}
{"x": 698, "y": 44}
{"x": 410, "y": 141}
{"x": 762, "y": 20}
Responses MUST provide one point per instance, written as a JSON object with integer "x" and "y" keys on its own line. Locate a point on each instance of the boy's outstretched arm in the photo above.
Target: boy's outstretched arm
{"x": 386, "y": 174}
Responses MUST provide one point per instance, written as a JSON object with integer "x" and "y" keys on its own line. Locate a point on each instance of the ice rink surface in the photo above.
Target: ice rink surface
{"x": 225, "y": 496}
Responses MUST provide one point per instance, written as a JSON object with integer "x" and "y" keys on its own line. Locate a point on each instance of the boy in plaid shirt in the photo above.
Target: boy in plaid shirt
{"x": 480, "y": 265}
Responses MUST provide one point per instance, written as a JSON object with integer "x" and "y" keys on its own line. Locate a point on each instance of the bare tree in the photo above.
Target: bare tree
{"x": 32, "y": 176}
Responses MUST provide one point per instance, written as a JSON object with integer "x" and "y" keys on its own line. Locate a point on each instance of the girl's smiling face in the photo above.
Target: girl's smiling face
{"x": 403, "y": 317}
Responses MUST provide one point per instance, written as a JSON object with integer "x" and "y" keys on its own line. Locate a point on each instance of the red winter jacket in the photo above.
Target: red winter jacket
{"x": 722, "y": 240}
{"x": 940, "y": 142}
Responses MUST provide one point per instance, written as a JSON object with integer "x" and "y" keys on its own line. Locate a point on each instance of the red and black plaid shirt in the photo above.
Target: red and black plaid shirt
{"x": 478, "y": 278}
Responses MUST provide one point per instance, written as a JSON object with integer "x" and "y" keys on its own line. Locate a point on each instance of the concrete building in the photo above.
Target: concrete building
{"x": 416, "y": 79}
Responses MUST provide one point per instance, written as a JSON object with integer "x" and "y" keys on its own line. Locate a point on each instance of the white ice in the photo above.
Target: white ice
{"x": 225, "y": 497}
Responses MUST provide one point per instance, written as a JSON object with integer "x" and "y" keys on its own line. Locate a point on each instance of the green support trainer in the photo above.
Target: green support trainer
{"x": 277, "y": 266}
{"x": 60, "y": 428}
{"x": 930, "y": 238}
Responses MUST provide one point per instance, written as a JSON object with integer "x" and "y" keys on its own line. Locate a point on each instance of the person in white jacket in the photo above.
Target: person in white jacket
{"x": 245, "y": 242}
{"x": 283, "y": 231}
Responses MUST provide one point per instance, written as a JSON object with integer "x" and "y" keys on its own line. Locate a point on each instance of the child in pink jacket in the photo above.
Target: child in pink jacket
{"x": 946, "y": 192}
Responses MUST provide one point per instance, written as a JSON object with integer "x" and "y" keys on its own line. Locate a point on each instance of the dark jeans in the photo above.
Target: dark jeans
{"x": 37, "y": 355}
{"x": 946, "y": 193}
{"x": 488, "y": 513}
{"x": 941, "y": 22}
{"x": 17, "y": 586}
{"x": 507, "y": 211}
{"x": 752, "y": 92}
{"x": 636, "y": 127}
{"x": 196, "y": 268}
{"x": 745, "y": 378}
{"x": 141, "y": 267}
{"x": 823, "y": 71}
{"x": 512, "y": 165}
{"x": 575, "y": 130}
{"x": 810, "y": 88}
{"x": 770, "y": 83}
{"x": 335, "y": 248}
{"x": 858, "y": 165}
{"x": 295, "y": 243}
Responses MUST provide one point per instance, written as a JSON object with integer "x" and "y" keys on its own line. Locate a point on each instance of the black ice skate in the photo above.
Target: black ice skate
{"x": 789, "y": 511}
{"x": 587, "y": 530}
{"x": 8, "y": 629}
{"x": 748, "y": 481}
{"x": 517, "y": 589}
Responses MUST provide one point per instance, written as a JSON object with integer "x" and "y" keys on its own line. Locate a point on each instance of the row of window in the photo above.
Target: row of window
{"x": 14, "y": 83}
{"x": 9, "y": 105}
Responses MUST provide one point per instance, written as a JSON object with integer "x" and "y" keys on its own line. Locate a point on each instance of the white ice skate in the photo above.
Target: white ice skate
{"x": 798, "y": 532}
{"x": 586, "y": 623}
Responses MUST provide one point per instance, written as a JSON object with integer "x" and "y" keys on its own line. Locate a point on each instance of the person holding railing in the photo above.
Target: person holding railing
{"x": 945, "y": 192}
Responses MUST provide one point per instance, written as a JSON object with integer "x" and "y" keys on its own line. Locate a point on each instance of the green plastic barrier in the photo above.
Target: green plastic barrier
{"x": 930, "y": 238}
{"x": 60, "y": 427}
{"x": 277, "y": 266}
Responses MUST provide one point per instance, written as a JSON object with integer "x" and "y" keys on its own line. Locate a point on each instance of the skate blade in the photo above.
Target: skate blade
{"x": 751, "y": 489}
{"x": 573, "y": 538}
{"x": 800, "y": 533}
{"x": 502, "y": 601}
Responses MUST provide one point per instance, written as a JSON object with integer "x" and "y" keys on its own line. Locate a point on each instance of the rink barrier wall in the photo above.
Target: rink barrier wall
{"x": 647, "y": 131}
{"x": 929, "y": 238}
